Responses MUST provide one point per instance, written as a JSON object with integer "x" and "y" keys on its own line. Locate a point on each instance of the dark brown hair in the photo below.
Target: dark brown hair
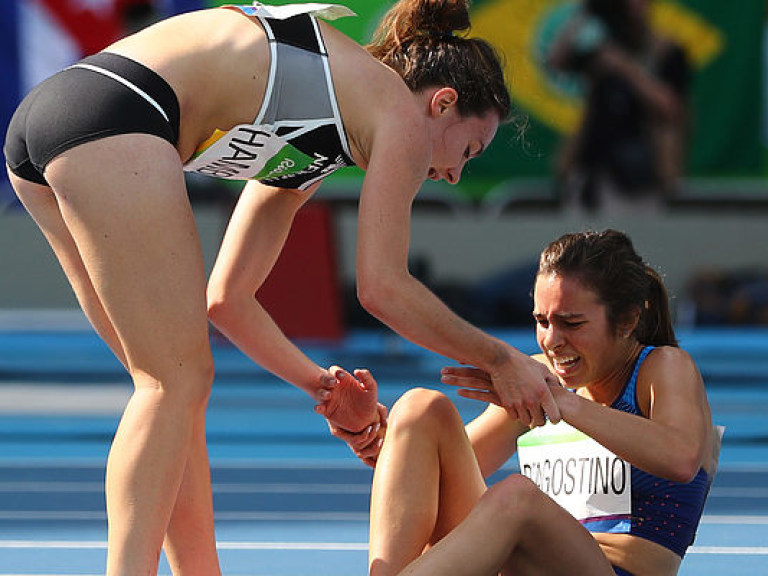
{"x": 606, "y": 263}
{"x": 416, "y": 39}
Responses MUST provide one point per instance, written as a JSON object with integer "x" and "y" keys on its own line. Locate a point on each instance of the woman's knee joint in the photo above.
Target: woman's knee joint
{"x": 423, "y": 408}
{"x": 190, "y": 381}
{"x": 516, "y": 496}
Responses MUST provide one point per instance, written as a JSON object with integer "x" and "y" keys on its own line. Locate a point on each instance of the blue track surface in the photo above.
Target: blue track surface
{"x": 291, "y": 500}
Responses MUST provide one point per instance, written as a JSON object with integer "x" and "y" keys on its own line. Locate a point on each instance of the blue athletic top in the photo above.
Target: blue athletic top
{"x": 663, "y": 511}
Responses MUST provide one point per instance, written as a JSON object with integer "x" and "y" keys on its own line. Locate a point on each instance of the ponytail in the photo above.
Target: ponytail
{"x": 655, "y": 326}
{"x": 418, "y": 40}
{"x": 409, "y": 20}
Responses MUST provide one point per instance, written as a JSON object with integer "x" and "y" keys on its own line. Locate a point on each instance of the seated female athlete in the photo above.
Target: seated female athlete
{"x": 617, "y": 487}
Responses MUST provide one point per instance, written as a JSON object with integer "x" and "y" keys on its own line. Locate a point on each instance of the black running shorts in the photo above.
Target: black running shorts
{"x": 102, "y": 95}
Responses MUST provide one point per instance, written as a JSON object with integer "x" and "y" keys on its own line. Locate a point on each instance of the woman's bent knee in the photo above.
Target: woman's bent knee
{"x": 516, "y": 496}
{"x": 423, "y": 408}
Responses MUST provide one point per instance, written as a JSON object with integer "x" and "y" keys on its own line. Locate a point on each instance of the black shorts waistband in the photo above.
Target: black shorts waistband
{"x": 146, "y": 79}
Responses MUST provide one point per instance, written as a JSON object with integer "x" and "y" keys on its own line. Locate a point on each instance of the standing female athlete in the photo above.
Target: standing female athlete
{"x": 632, "y": 460}
{"x": 273, "y": 95}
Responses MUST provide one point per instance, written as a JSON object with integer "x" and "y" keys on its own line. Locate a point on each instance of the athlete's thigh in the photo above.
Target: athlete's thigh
{"x": 41, "y": 204}
{"x": 461, "y": 487}
{"x": 125, "y": 203}
{"x": 554, "y": 543}
{"x": 461, "y": 481}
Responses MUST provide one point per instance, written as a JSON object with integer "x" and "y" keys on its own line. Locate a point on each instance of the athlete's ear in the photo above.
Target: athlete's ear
{"x": 628, "y": 324}
{"x": 443, "y": 99}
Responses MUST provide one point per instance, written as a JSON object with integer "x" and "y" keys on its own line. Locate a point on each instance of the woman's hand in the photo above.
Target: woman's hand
{"x": 521, "y": 386}
{"x": 351, "y": 403}
{"x": 473, "y": 383}
{"x": 366, "y": 444}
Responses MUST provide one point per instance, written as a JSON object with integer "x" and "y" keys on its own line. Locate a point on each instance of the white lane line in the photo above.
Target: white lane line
{"x": 333, "y": 546}
{"x": 734, "y": 519}
{"x": 730, "y": 550}
{"x": 101, "y": 545}
{"x": 68, "y": 515}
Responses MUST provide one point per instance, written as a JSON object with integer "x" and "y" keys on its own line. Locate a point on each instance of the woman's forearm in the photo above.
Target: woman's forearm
{"x": 413, "y": 311}
{"x": 249, "y": 327}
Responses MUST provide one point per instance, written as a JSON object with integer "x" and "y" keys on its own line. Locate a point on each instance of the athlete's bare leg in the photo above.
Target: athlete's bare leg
{"x": 515, "y": 530}
{"x": 190, "y": 542}
{"x": 428, "y": 497}
{"x": 40, "y": 202}
{"x": 426, "y": 480}
{"x": 121, "y": 225}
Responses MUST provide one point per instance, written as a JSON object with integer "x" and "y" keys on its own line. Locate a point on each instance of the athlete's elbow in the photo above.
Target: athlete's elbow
{"x": 685, "y": 467}
{"x": 370, "y": 299}
{"x": 217, "y": 312}
{"x": 682, "y": 475}
{"x": 221, "y": 309}
{"x": 375, "y": 294}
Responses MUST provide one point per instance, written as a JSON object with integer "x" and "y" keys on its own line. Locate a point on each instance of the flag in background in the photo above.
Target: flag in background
{"x": 725, "y": 41}
{"x": 40, "y": 37}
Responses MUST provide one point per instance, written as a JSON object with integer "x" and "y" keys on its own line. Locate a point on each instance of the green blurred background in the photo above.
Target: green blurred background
{"x": 725, "y": 45}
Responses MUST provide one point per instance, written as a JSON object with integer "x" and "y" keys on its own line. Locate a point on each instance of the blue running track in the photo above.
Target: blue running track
{"x": 290, "y": 500}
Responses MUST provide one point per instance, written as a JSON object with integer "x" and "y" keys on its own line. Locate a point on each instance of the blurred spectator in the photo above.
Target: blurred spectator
{"x": 632, "y": 137}
{"x": 505, "y": 298}
{"x": 729, "y": 297}
{"x": 749, "y": 304}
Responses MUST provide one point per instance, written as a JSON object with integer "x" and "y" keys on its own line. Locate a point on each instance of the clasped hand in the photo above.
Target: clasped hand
{"x": 354, "y": 414}
{"x": 523, "y": 389}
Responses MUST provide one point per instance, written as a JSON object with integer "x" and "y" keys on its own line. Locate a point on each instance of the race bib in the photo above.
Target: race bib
{"x": 247, "y": 152}
{"x": 578, "y": 473}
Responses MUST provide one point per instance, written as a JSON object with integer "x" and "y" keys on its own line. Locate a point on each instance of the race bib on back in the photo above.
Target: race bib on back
{"x": 578, "y": 473}
{"x": 250, "y": 153}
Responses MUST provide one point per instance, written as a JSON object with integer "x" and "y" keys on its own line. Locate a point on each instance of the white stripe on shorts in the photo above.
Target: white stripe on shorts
{"x": 126, "y": 83}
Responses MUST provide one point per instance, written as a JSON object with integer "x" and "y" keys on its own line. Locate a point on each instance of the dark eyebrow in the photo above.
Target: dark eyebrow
{"x": 564, "y": 316}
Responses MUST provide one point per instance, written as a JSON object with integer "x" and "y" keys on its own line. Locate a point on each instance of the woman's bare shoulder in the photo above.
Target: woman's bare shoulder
{"x": 670, "y": 367}
{"x": 666, "y": 357}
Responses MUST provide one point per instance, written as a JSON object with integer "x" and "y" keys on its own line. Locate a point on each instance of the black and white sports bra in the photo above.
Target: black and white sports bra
{"x": 298, "y": 137}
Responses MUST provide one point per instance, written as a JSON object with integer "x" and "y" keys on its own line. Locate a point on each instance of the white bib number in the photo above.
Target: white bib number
{"x": 581, "y": 475}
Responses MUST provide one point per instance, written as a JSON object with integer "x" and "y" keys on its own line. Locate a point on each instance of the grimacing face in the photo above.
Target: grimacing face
{"x": 573, "y": 332}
